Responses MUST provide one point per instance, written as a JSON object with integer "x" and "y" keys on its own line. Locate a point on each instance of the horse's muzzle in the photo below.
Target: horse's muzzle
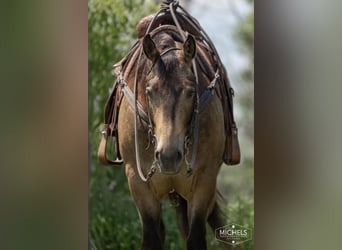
{"x": 169, "y": 161}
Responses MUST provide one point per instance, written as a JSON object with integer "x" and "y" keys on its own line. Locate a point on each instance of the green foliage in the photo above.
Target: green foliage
{"x": 245, "y": 34}
{"x": 114, "y": 222}
{"x": 111, "y": 31}
{"x": 245, "y": 95}
{"x": 241, "y": 208}
{"x": 241, "y": 212}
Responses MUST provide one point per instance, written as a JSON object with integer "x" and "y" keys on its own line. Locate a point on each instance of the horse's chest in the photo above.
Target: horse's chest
{"x": 161, "y": 185}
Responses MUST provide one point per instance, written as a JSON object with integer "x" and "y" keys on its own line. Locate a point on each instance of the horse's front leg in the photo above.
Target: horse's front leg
{"x": 197, "y": 232}
{"x": 149, "y": 209}
{"x": 199, "y": 207}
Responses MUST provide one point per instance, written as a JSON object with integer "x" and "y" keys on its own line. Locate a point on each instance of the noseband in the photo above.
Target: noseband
{"x": 176, "y": 24}
{"x": 139, "y": 112}
{"x": 151, "y": 133}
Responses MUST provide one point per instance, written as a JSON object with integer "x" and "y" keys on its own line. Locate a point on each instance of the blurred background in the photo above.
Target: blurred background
{"x": 114, "y": 222}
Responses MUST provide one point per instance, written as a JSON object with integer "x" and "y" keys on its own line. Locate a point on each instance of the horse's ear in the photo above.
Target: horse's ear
{"x": 189, "y": 48}
{"x": 150, "y": 49}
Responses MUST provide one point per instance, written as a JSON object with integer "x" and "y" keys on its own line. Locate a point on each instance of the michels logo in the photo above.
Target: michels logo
{"x": 233, "y": 234}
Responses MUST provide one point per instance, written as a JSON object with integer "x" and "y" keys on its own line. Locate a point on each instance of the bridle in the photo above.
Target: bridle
{"x": 151, "y": 131}
{"x": 211, "y": 68}
{"x": 140, "y": 113}
{"x": 151, "y": 134}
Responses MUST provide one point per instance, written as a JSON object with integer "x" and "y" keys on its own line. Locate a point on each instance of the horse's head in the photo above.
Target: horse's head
{"x": 170, "y": 93}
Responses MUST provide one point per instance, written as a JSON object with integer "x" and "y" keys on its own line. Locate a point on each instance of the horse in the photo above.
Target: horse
{"x": 167, "y": 87}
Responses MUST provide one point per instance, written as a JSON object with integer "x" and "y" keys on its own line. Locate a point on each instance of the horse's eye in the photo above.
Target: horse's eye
{"x": 190, "y": 92}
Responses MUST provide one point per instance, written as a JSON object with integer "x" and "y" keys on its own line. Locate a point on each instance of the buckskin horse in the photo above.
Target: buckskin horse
{"x": 167, "y": 114}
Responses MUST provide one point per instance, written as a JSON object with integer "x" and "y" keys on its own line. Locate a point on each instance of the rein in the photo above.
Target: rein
{"x": 200, "y": 101}
{"x": 206, "y": 60}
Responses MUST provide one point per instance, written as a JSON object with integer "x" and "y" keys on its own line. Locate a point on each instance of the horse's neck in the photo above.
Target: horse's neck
{"x": 132, "y": 62}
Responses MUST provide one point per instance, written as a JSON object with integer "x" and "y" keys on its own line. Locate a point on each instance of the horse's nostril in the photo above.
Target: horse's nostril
{"x": 179, "y": 156}
{"x": 157, "y": 155}
{"x": 169, "y": 160}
